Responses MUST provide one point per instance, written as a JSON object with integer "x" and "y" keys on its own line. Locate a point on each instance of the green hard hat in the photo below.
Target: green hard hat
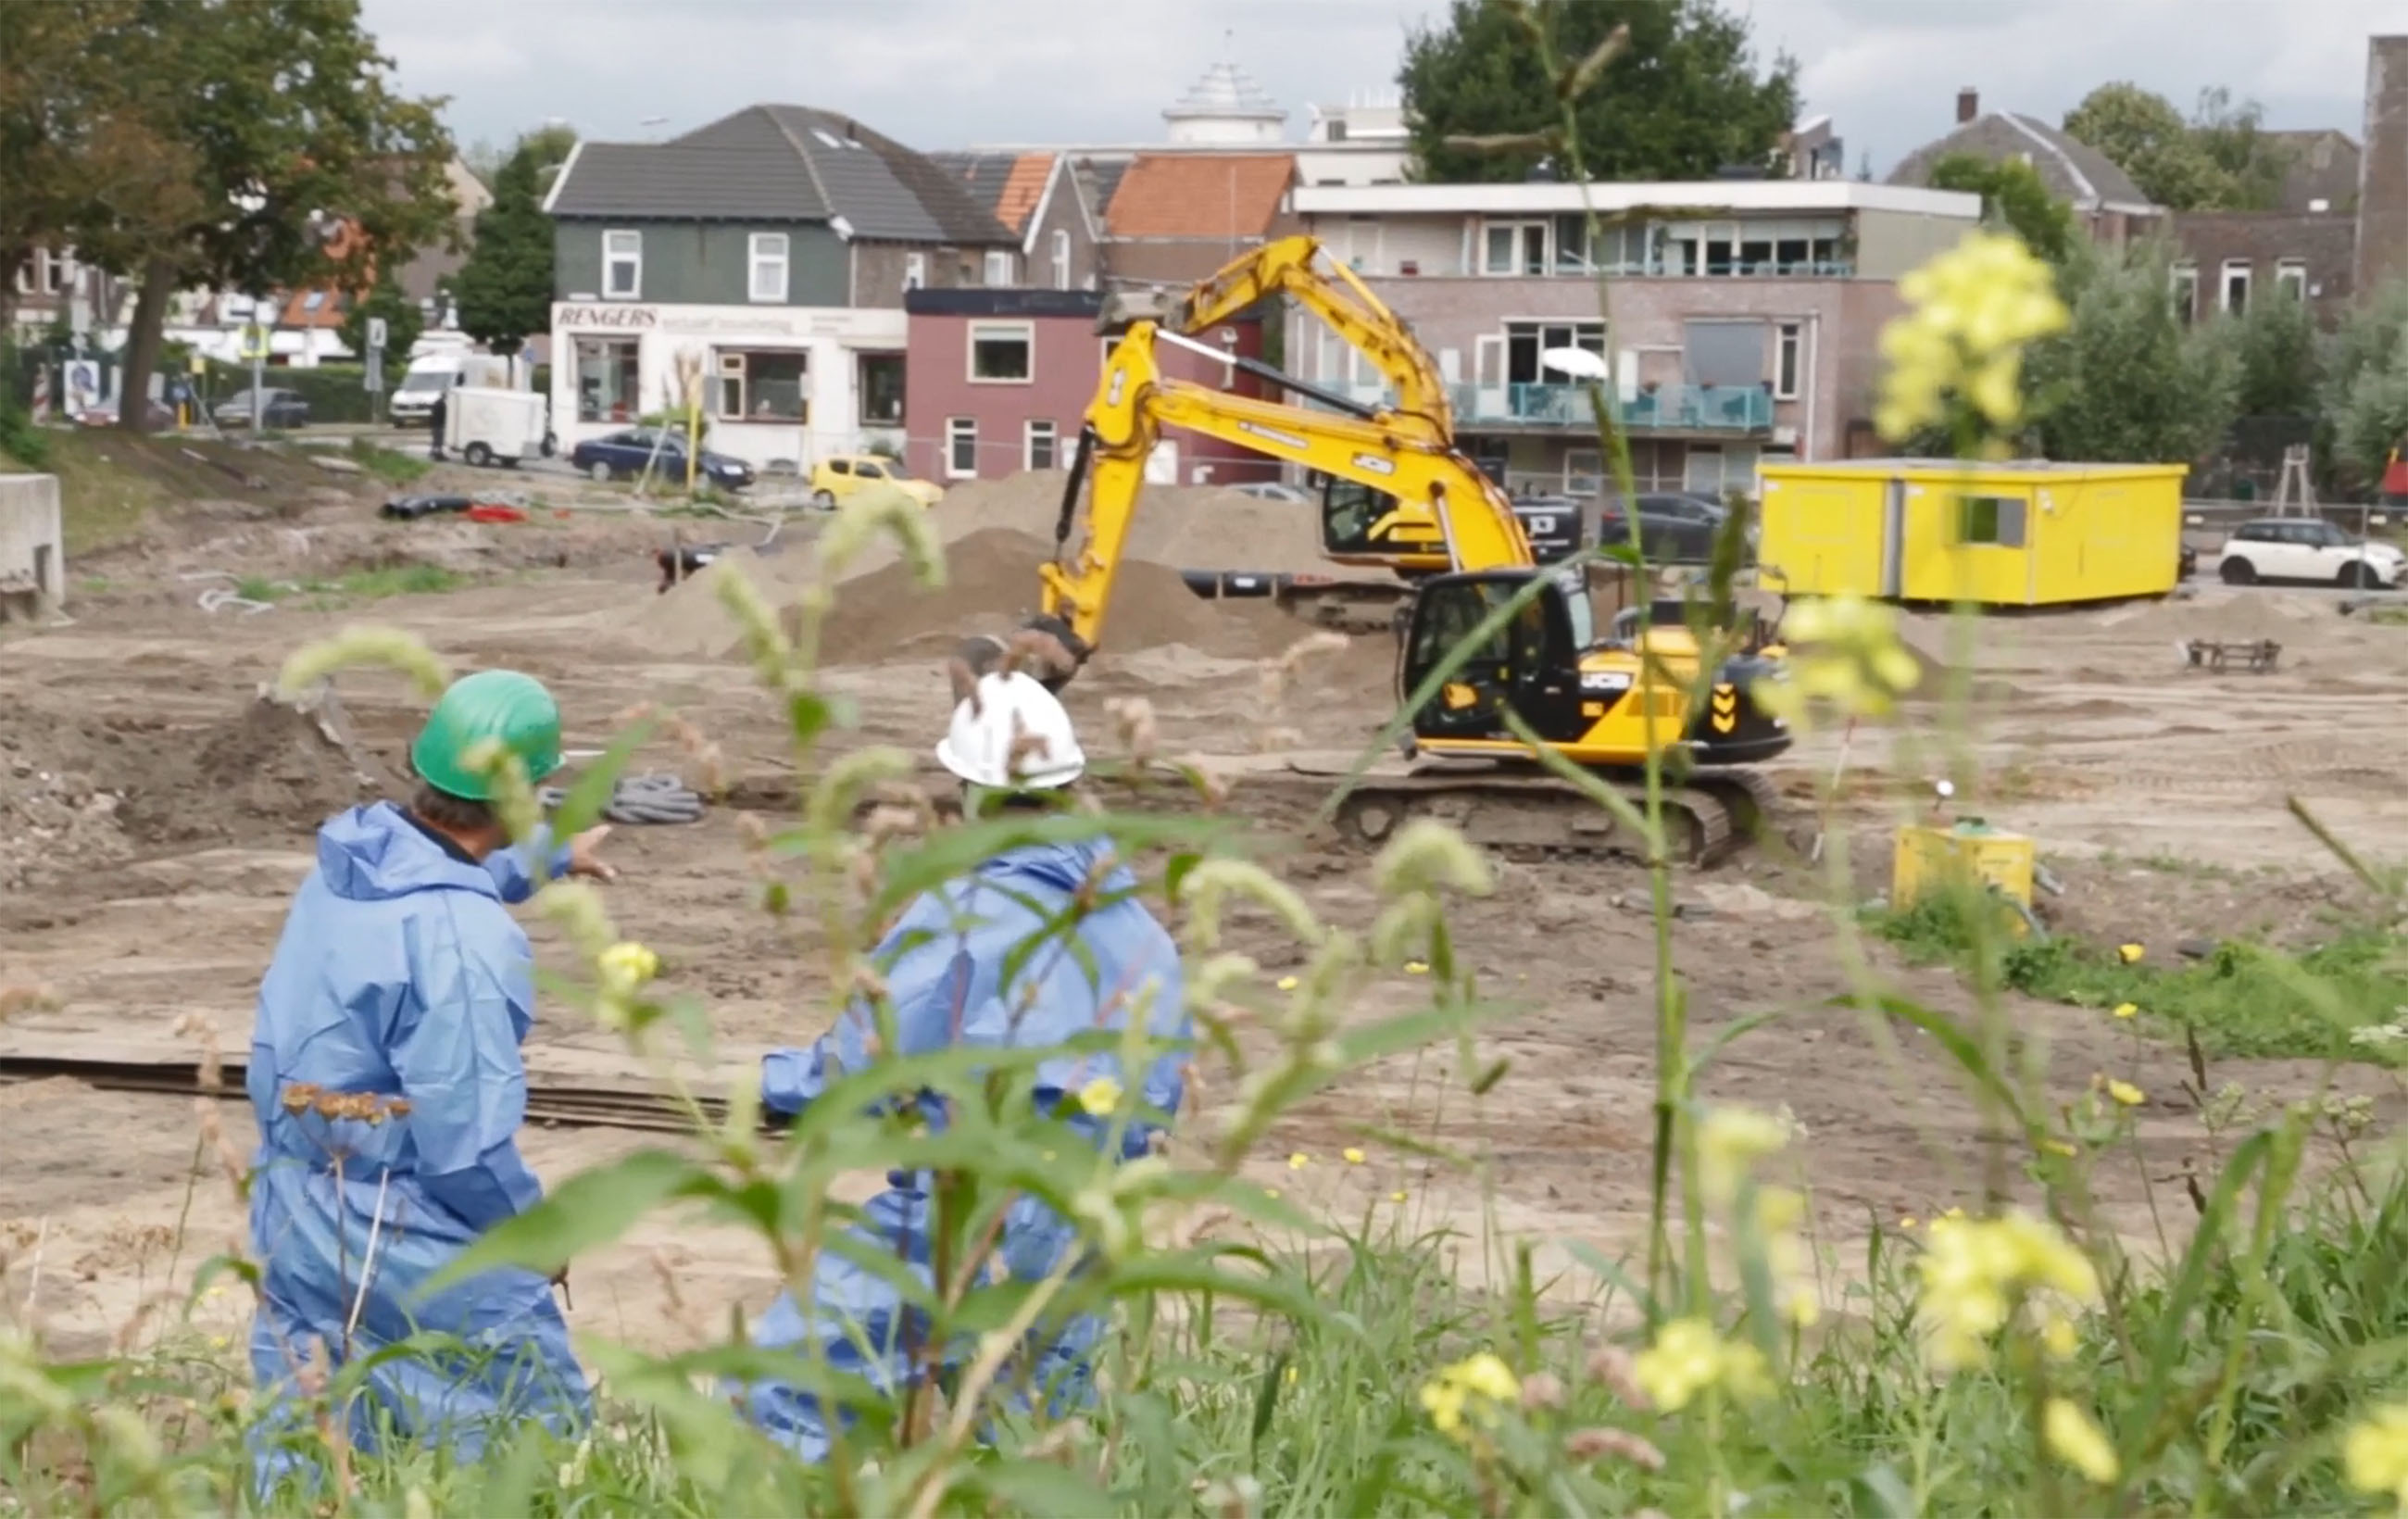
{"x": 502, "y": 704}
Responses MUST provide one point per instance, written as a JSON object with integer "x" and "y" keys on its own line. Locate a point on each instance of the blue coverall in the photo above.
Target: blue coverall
{"x": 400, "y": 974}
{"x": 945, "y": 966}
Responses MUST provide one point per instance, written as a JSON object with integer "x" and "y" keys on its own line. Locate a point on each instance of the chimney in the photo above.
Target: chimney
{"x": 2383, "y": 166}
{"x": 1968, "y": 104}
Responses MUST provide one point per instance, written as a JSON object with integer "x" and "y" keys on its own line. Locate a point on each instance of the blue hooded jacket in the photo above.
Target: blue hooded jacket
{"x": 400, "y": 974}
{"x": 945, "y": 962}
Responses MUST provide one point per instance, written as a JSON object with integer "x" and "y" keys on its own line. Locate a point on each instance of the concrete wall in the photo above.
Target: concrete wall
{"x": 32, "y": 550}
{"x": 1891, "y": 243}
{"x": 879, "y": 270}
{"x": 705, "y": 263}
{"x": 2383, "y": 166}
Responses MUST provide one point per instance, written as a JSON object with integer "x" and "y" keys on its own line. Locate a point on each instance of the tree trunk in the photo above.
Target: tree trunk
{"x": 142, "y": 344}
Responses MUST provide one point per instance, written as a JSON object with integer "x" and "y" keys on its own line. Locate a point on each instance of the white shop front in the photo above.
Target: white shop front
{"x": 787, "y": 385}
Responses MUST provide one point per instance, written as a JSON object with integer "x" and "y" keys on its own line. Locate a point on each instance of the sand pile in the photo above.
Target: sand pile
{"x": 991, "y": 584}
{"x": 688, "y": 618}
{"x": 1185, "y": 526}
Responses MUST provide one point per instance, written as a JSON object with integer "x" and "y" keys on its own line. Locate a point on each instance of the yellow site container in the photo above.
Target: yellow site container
{"x": 1931, "y": 857}
{"x": 2022, "y": 534}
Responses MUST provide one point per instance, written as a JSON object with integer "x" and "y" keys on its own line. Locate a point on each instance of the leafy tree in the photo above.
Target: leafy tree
{"x": 305, "y": 164}
{"x": 1684, "y": 102}
{"x": 71, "y": 148}
{"x": 2365, "y": 392}
{"x": 2127, "y": 382}
{"x": 505, "y": 289}
{"x": 2218, "y": 160}
{"x": 2274, "y": 345}
{"x": 403, "y": 320}
{"x": 2014, "y": 196}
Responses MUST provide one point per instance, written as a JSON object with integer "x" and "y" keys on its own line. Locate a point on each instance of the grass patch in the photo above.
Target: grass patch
{"x": 360, "y": 585}
{"x": 2242, "y": 1000}
{"x": 391, "y": 465}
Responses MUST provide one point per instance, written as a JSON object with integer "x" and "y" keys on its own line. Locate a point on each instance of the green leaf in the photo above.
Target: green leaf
{"x": 1267, "y": 1397}
{"x": 2207, "y": 1241}
{"x": 1036, "y": 1487}
{"x": 582, "y": 806}
{"x": 590, "y": 1210}
{"x": 1958, "y": 1046}
{"x": 1886, "y": 1493}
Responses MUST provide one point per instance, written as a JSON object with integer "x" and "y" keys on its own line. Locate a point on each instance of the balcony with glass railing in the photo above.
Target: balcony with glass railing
{"x": 1731, "y": 410}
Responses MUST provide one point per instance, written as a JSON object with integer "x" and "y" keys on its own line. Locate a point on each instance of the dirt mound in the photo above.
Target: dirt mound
{"x": 273, "y": 762}
{"x": 688, "y": 618}
{"x": 1185, "y": 526}
{"x": 991, "y": 583}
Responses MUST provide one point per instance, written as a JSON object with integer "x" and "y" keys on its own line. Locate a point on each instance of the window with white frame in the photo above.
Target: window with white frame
{"x": 2291, "y": 278}
{"x": 768, "y": 266}
{"x": 998, "y": 267}
{"x": 1528, "y": 343}
{"x": 961, "y": 448}
{"x": 915, "y": 271}
{"x": 1037, "y": 437}
{"x": 1514, "y": 247}
{"x": 623, "y": 266}
{"x": 1002, "y": 353}
{"x": 2234, "y": 294}
{"x": 1061, "y": 259}
{"x": 1584, "y": 471}
{"x": 761, "y": 384}
{"x": 1789, "y": 360}
{"x": 2185, "y": 283}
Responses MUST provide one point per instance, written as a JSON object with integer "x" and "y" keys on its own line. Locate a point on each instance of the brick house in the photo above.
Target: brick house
{"x": 1040, "y": 196}
{"x": 2106, "y": 203}
{"x": 1742, "y": 317}
{"x": 769, "y": 252}
{"x": 998, "y": 381}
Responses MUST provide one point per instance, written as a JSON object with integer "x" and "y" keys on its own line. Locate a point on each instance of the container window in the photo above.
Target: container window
{"x": 1992, "y": 520}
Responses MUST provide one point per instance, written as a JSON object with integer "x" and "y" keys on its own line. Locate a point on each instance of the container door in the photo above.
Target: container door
{"x": 1893, "y": 560}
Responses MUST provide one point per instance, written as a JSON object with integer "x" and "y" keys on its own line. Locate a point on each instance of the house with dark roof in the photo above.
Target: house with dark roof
{"x": 1038, "y": 194}
{"x": 762, "y": 260}
{"x": 2105, "y": 200}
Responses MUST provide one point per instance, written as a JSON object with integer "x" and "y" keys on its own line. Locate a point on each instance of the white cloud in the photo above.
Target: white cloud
{"x": 947, "y": 73}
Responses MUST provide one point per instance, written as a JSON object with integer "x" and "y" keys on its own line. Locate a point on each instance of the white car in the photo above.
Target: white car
{"x": 2305, "y": 548}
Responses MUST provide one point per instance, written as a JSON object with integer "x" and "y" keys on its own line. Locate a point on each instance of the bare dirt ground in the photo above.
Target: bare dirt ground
{"x": 154, "y": 822}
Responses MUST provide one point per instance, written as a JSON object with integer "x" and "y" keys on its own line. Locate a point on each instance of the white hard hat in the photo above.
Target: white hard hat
{"x": 1012, "y": 734}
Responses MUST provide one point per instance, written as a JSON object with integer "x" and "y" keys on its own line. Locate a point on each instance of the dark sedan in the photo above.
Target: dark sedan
{"x": 1674, "y": 527}
{"x": 625, "y": 455}
{"x": 276, "y": 408}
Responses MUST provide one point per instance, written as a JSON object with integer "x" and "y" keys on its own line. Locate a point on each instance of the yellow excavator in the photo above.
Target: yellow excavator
{"x": 1601, "y": 703}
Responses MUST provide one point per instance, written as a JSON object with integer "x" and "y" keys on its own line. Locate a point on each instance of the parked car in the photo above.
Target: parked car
{"x": 161, "y": 416}
{"x": 1268, "y": 490}
{"x": 839, "y": 475}
{"x": 2304, "y": 549}
{"x": 623, "y": 455}
{"x": 276, "y": 408}
{"x": 1674, "y": 526}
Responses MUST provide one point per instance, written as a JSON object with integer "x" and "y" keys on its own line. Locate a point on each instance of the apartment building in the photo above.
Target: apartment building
{"x": 1740, "y": 319}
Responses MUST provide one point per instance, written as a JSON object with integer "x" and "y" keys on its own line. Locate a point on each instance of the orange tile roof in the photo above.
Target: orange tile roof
{"x": 1199, "y": 196}
{"x": 1022, "y": 189}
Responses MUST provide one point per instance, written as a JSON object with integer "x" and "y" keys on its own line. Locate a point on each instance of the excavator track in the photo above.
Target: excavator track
{"x": 1710, "y": 814}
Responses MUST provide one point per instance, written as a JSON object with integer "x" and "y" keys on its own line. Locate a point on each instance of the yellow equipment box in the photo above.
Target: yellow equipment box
{"x": 1931, "y": 855}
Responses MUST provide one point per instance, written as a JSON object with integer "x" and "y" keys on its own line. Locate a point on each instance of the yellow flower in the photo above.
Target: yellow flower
{"x": 1906, "y": 1223}
{"x": 2130, "y": 953}
{"x": 1851, "y": 659}
{"x": 1973, "y": 1271}
{"x": 1291, "y": 1375}
{"x": 1351, "y": 1155}
{"x": 1298, "y": 1161}
{"x": 1416, "y": 968}
{"x": 2126, "y": 1009}
{"x": 1970, "y": 313}
{"x": 2058, "y": 1337}
{"x": 1688, "y": 1357}
{"x": 1730, "y": 1141}
{"x": 2375, "y": 1455}
{"x": 2073, "y": 1439}
{"x": 1272, "y": 1193}
{"x": 1287, "y": 983}
{"x": 2058, "y": 1147}
{"x": 1396, "y": 1196}
{"x": 1477, "y": 1386}
{"x": 1100, "y": 1097}
{"x": 2127, "y": 1094}
{"x": 627, "y": 966}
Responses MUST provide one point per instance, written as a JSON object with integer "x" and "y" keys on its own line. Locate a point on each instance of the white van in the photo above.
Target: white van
{"x": 430, "y": 375}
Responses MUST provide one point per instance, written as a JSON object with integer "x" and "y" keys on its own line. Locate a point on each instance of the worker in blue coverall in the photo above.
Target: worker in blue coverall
{"x": 386, "y": 1077}
{"x": 951, "y": 972}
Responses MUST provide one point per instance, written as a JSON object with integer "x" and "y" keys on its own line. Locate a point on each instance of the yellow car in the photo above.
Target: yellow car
{"x": 839, "y": 476}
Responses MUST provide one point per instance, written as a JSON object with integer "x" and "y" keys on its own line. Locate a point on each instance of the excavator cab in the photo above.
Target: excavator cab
{"x": 1530, "y": 665}
{"x": 1361, "y": 525}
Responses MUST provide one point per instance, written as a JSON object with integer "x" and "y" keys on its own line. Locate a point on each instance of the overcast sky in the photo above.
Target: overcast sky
{"x": 951, "y": 73}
